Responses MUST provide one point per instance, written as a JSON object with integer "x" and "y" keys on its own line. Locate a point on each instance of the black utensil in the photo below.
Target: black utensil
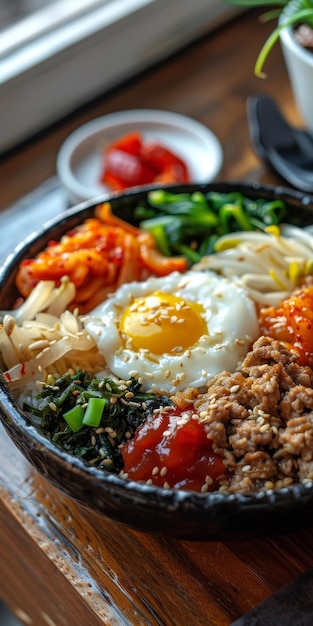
{"x": 292, "y": 605}
{"x": 288, "y": 150}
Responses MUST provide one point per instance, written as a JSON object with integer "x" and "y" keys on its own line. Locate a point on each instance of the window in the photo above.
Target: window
{"x": 56, "y": 55}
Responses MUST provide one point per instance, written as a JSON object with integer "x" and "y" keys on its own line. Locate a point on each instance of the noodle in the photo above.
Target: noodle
{"x": 269, "y": 265}
{"x": 46, "y": 345}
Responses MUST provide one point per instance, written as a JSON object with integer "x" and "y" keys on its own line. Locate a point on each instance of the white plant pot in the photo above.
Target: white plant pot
{"x": 299, "y": 63}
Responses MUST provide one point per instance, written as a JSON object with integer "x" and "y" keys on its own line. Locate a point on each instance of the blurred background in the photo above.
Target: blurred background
{"x": 14, "y": 10}
{"x": 56, "y": 55}
{"x": 6, "y": 619}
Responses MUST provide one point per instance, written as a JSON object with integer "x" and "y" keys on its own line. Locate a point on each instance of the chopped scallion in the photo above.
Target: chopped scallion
{"x": 74, "y": 418}
{"x": 94, "y": 411}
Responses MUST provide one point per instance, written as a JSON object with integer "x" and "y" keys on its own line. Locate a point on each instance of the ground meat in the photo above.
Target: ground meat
{"x": 260, "y": 419}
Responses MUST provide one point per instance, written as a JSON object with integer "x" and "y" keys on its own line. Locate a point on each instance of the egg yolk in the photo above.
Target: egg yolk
{"x": 161, "y": 323}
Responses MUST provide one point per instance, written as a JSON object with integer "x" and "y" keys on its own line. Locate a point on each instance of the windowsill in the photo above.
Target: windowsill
{"x": 73, "y": 63}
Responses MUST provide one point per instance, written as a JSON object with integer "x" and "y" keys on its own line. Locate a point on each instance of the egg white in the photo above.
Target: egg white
{"x": 229, "y": 314}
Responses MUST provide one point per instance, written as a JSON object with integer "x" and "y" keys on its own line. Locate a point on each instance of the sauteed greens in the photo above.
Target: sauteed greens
{"x": 95, "y": 439}
{"x": 189, "y": 224}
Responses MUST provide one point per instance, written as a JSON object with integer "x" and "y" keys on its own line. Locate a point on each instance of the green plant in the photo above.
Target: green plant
{"x": 295, "y": 12}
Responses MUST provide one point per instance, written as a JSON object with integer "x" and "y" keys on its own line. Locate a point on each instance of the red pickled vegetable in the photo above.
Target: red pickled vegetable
{"x": 292, "y": 322}
{"x": 127, "y": 169}
{"x": 131, "y": 161}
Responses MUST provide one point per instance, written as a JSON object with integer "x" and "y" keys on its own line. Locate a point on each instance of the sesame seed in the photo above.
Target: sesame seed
{"x": 133, "y": 373}
{"x": 188, "y": 400}
{"x": 204, "y": 488}
{"x": 93, "y": 440}
{"x": 52, "y": 406}
{"x": 166, "y": 485}
{"x": 223, "y": 489}
{"x": 155, "y": 471}
{"x": 163, "y": 471}
{"x": 239, "y": 342}
{"x": 109, "y": 462}
{"x": 182, "y": 421}
{"x": 39, "y": 345}
{"x": 151, "y": 317}
{"x": 234, "y": 388}
{"x": 166, "y": 433}
{"x": 246, "y": 468}
{"x": 264, "y": 428}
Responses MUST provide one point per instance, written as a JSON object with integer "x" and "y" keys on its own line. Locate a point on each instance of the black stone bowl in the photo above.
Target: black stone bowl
{"x": 180, "y": 514}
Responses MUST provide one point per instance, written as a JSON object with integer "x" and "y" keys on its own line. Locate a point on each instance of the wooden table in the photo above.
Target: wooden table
{"x": 62, "y": 565}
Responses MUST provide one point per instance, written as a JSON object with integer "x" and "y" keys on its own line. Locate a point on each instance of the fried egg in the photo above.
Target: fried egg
{"x": 175, "y": 331}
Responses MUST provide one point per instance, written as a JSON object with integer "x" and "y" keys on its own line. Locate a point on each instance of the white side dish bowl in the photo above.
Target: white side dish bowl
{"x": 79, "y": 162}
